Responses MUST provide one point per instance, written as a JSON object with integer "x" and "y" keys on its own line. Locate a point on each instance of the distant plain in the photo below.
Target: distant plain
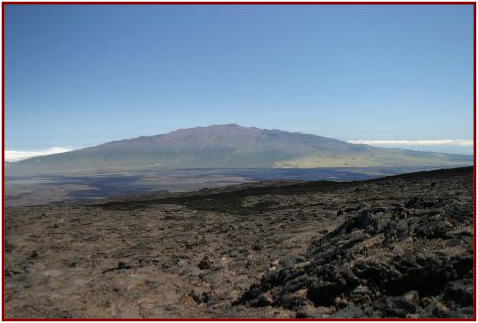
{"x": 84, "y": 186}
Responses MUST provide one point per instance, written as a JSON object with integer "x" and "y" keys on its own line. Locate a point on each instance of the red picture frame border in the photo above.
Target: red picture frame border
{"x": 473, "y": 4}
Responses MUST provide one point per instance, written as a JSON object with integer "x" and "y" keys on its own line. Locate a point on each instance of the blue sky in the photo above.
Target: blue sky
{"x": 78, "y": 76}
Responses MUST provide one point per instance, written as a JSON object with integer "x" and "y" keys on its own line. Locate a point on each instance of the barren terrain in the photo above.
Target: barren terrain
{"x": 400, "y": 246}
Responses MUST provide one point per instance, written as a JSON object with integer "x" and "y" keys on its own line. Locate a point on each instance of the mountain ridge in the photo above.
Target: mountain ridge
{"x": 231, "y": 146}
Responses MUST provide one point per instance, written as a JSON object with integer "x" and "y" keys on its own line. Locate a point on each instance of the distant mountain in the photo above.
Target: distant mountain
{"x": 229, "y": 146}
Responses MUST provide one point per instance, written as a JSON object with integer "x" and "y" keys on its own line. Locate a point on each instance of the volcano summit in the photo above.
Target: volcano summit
{"x": 230, "y": 146}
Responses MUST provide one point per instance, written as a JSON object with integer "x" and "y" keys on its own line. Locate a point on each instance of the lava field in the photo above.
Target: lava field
{"x": 395, "y": 247}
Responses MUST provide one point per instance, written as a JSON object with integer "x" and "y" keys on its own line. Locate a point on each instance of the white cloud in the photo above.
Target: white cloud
{"x": 445, "y": 142}
{"x": 15, "y": 155}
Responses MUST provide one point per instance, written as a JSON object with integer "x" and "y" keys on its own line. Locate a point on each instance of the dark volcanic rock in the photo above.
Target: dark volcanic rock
{"x": 399, "y": 247}
{"x": 460, "y": 291}
{"x": 400, "y": 306}
{"x": 383, "y": 259}
{"x": 423, "y": 202}
{"x": 349, "y": 312}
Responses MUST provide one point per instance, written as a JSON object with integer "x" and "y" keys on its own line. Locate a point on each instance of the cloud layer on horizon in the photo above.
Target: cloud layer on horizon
{"x": 444, "y": 142}
{"x": 15, "y": 155}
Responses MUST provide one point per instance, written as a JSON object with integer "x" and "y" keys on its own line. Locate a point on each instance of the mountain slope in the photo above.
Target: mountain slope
{"x": 396, "y": 247}
{"x": 230, "y": 146}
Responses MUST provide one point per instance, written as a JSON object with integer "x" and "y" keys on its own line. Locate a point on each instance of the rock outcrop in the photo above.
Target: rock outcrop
{"x": 397, "y": 247}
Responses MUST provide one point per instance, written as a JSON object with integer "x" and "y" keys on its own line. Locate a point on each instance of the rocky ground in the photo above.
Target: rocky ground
{"x": 399, "y": 246}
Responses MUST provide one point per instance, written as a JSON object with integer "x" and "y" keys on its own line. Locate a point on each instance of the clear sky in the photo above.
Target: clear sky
{"x": 82, "y": 75}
